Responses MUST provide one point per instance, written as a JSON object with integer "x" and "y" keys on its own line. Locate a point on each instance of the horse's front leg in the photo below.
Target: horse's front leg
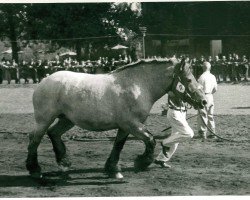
{"x": 144, "y": 160}
{"x": 111, "y": 166}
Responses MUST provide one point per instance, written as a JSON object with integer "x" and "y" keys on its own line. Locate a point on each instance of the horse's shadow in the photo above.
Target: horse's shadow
{"x": 57, "y": 178}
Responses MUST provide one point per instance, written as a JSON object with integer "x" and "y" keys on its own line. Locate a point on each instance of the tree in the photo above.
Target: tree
{"x": 67, "y": 24}
{"x": 12, "y": 18}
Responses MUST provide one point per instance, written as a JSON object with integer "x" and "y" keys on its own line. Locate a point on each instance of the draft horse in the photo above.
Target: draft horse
{"x": 119, "y": 100}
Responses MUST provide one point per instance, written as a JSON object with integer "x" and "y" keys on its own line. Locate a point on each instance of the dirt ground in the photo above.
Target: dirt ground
{"x": 198, "y": 168}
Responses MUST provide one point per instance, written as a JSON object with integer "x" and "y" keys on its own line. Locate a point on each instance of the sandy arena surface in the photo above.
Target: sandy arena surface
{"x": 198, "y": 168}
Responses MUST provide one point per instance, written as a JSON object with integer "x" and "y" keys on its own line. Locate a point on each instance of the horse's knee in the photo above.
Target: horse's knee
{"x": 150, "y": 142}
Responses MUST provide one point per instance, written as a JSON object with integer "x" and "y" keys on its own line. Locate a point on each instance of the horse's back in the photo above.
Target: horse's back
{"x": 87, "y": 100}
{"x": 67, "y": 85}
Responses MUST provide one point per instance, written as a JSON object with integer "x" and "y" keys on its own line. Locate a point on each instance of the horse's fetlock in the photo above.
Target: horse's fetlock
{"x": 65, "y": 162}
{"x": 33, "y": 166}
{"x": 111, "y": 167}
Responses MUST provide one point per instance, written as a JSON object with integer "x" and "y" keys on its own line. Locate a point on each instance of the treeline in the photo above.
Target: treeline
{"x": 69, "y": 25}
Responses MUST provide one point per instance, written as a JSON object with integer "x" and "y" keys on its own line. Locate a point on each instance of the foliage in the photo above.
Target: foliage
{"x": 71, "y": 25}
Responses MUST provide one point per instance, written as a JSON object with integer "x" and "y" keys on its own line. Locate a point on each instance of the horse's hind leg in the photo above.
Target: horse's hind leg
{"x": 111, "y": 166}
{"x": 139, "y": 131}
{"x": 34, "y": 141}
{"x": 55, "y": 132}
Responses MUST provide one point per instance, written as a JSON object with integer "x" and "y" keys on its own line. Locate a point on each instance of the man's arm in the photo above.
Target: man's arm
{"x": 215, "y": 86}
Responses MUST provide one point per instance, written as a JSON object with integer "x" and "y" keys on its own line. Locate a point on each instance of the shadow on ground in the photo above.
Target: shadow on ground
{"x": 57, "y": 178}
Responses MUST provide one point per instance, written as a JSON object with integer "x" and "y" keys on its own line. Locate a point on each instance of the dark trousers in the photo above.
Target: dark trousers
{"x": 236, "y": 73}
{"x": 25, "y": 75}
{"x": 32, "y": 73}
{"x": 245, "y": 69}
{"x": 217, "y": 72}
{"x": 14, "y": 75}
{"x": 1, "y": 76}
{"x": 40, "y": 74}
{"x": 8, "y": 75}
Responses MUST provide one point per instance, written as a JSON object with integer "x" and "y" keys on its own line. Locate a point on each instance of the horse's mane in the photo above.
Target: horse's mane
{"x": 148, "y": 61}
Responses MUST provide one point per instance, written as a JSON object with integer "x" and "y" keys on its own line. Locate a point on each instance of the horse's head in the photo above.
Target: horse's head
{"x": 186, "y": 87}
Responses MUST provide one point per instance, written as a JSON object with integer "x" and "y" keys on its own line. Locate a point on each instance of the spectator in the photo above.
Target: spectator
{"x": 14, "y": 71}
{"x": 209, "y": 84}
{"x": 236, "y": 68}
{"x": 245, "y": 67}
{"x": 223, "y": 68}
{"x": 217, "y": 68}
{"x": 230, "y": 67}
{"x": 24, "y": 71}
{"x": 32, "y": 70}
{"x": 40, "y": 70}
{"x": 199, "y": 67}
{"x": 1, "y": 73}
{"x": 7, "y": 67}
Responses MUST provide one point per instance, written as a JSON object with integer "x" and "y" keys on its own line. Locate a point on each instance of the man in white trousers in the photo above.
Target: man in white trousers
{"x": 206, "y": 117}
{"x": 181, "y": 131}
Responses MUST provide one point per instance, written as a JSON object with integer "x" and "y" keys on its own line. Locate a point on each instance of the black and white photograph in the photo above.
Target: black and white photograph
{"x": 124, "y": 99}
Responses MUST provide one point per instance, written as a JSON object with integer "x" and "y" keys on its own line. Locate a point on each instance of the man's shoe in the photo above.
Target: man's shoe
{"x": 212, "y": 137}
{"x": 162, "y": 164}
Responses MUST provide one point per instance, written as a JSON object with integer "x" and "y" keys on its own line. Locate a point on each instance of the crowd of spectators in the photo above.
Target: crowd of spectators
{"x": 37, "y": 70}
{"x": 231, "y": 68}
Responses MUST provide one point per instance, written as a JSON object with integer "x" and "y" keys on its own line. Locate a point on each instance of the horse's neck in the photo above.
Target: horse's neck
{"x": 160, "y": 80}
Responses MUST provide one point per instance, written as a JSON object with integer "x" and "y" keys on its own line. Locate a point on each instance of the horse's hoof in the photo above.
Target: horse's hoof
{"x": 63, "y": 168}
{"x": 64, "y": 164}
{"x": 36, "y": 175}
{"x": 117, "y": 175}
{"x": 141, "y": 163}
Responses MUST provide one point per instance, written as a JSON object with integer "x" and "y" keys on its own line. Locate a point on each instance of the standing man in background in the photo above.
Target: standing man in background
{"x": 245, "y": 66}
{"x": 209, "y": 84}
{"x": 217, "y": 68}
{"x": 199, "y": 67}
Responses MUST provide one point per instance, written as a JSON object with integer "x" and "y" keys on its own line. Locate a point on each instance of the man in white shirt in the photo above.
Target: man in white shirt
{"x": 208, "y": 81}
{"x": 181, "y": 131}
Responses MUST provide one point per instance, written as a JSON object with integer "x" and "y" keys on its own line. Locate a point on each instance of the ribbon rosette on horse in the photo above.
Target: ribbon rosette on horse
{"x": 119, "y": 100}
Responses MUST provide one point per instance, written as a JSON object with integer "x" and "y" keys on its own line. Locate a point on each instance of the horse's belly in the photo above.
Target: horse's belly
{"x": 91, "y": 120}
{"x": 96, "y": 126}
{"x": 91, "y": 114}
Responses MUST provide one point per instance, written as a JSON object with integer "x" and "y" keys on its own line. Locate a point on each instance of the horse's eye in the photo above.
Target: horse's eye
{"x": 189, "y": 80}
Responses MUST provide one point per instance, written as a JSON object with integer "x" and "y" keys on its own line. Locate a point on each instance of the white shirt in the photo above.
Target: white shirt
{"x": 208, "y": 81}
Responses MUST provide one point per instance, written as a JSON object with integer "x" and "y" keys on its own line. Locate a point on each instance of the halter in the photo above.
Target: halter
{"x": 180, "y": 88}
{"x": 177, "y": 87}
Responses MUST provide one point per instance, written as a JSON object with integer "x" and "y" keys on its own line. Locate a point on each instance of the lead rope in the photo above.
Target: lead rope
{"x": 212, "y": 132}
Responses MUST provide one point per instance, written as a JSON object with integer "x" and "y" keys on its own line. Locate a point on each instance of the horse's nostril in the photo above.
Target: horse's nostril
{"x": 204, "y": 102}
